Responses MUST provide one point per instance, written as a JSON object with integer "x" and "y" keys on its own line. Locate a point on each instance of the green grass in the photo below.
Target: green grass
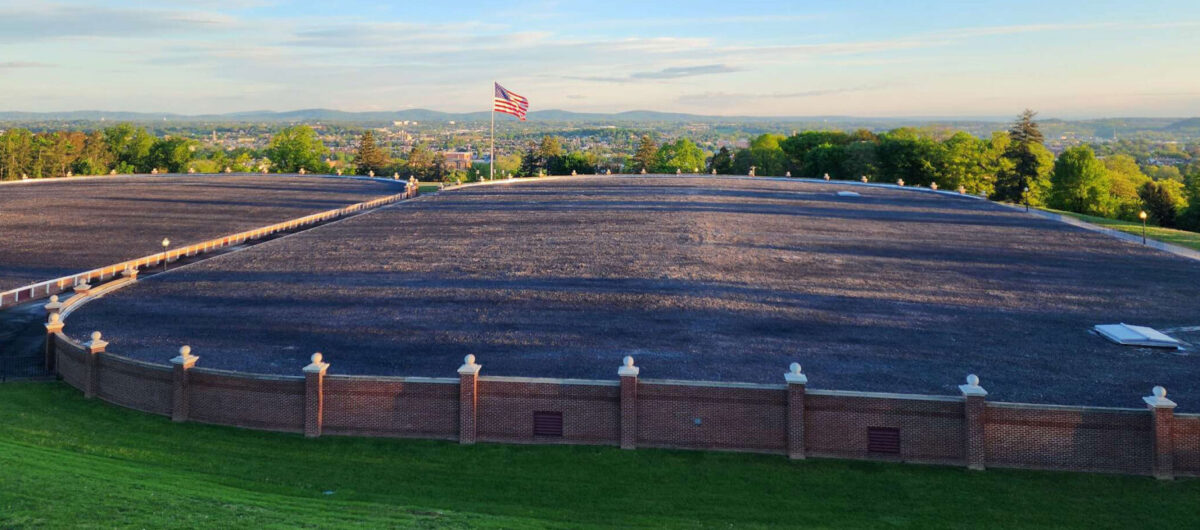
{"x": 428, "y": 188}
{"x": 1182, "y": 238}
{"x": 70, "y": 462}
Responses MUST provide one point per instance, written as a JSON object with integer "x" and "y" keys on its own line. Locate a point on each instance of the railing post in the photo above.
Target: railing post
{"x": 796, "y": 382}
{"x": 54, "y": 326}
{"x": 180, "y": 404}
{"x": 1162, "y": 411}
{"x": 314, "y": 396}
{"x": 468, "y": 400}
{"x": 975, "y": 410}
{"x": 94, "y": 348}
{"x": 629, "y": 406}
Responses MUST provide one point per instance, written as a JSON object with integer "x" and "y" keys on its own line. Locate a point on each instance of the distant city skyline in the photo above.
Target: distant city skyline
{"x": 1065, "y": 59}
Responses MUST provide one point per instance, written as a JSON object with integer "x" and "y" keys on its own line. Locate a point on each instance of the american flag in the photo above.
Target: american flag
{"x": 510, "y": 103}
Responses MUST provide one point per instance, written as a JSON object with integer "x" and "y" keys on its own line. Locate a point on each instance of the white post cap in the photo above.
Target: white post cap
{"x": 972, "y": 387}
{"x": 469, "y": 367}
{"x": 1158, "y": 399}
{"x": 317, "y": 366}
{"x": 627, "y": 368}
{"x": 185, "y": 356}
{"x": 794, "y": 376}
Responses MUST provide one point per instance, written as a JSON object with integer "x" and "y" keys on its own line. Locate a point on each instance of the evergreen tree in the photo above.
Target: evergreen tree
{"x": 1030, "y": 164}
{"x": 722, "y": 162}
{"x": 646, "y": 155}
{"x": 1163, "y": 201}
{"x": 369, "y": 157}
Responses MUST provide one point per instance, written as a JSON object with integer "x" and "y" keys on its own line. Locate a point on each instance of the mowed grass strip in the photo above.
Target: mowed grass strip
{"x": 1182, "y": 238}
{"x": 70, "y": 462}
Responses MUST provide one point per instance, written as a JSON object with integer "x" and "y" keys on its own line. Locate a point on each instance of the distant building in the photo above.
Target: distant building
{"x": 457, "y": 160}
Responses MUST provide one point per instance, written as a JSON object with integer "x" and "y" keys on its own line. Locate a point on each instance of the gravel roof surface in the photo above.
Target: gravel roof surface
{"x": 55, "y": 228}
{"x": 697, "y": 278}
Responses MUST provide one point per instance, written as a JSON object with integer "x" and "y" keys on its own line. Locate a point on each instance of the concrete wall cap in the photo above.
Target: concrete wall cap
{"x": 972, "y": 387}
{"x": 1158, "y": 399}
{"x": 794, "y": 375}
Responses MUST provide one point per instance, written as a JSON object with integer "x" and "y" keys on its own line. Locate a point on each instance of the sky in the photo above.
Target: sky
{"x": 1066, "y": 59}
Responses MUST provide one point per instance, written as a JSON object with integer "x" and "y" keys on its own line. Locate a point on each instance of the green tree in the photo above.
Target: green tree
{"x": 907, "y": 154}
{"x": 369, "y": 156}
{"x": 1079, "y": 183}
{"x": 171, "y": 154}
{"x": 646, "y": 155}
{"x": 16, "y": 146}
{"x": 130, "y": 147}
{"x": 1125, "y": 183}
{"x": 1189, "y": 219}
{"x": 722, "y": 162}
{"x": 860, "y": 160}
{"x": 296, "y": 147}
{"x": 682, "y": 155}
{"x": 95, "y": 157}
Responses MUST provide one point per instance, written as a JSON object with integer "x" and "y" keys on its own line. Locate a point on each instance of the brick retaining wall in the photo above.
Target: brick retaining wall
{"x": 630, "y": 412}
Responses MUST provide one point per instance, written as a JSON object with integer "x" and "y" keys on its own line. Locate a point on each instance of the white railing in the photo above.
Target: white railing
{"x": 50, "y": 287}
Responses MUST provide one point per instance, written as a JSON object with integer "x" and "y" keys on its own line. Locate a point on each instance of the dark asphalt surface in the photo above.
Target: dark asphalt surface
{"x": 697, "y": 278}
{"x": 55, "y": 228}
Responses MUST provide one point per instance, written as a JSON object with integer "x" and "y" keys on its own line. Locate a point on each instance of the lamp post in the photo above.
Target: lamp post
{"x": 1025, "y": 195}
{"x": 1142, "y": 216}
{"x": 165, "y": 243}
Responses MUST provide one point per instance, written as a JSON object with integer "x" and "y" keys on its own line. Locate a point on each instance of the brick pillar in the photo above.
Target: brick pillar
{"x": 629, "y": 406}
{"x": 468, "y": 400}
{"x": 974, "y": 411}
{"x": 181, "y": 364}
{"x": 54, "y": 326}
{"x": 94, "y": 347}
{"x": 314, "y": 396}
{"x": 1163, "y": 412}
{"x": 796, "y": 382}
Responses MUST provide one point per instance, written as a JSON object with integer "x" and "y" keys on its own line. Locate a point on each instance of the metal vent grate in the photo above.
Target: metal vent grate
{"x": 883, "y": 440}
{"x": 548, "y": 424}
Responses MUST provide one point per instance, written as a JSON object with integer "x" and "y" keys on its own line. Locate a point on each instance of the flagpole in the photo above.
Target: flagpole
{"x": 492, "y": 161}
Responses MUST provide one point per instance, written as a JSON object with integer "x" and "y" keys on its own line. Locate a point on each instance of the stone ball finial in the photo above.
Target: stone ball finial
{"x": 469, "y": 359}
{"x": 1159, "y": 392}
{"x": 53, "y": 299}
{"x": 628, "y": 361}
{"x": 95, "y": 335}
{"x": 54, "y": 318}
{"x": 795, "y": 368}
{"x": 973, "y": 380}
{"x": 317, "y": 357}
{"x": 185, "y": 350}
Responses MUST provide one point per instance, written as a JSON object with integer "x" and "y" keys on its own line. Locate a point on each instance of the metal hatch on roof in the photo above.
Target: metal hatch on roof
{"x": 848, "y": 194}
{"x": 1128, "y": 335}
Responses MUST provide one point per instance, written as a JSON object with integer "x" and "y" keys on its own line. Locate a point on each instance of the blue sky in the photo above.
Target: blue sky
{"x": 799, "y": 58}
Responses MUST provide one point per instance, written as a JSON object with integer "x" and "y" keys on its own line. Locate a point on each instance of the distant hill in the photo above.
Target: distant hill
{"x": 1189, "y": 126}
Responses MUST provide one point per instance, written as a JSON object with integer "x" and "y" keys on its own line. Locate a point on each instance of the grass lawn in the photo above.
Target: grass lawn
{"x": 66, "y": 461}
{"x": 1182, "y": 238}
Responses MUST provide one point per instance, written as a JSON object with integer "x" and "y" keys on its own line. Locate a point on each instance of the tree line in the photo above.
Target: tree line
{"x": 1013, "y": 165}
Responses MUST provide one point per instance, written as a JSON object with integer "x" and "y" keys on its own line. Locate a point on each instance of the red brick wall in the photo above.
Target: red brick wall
{"x": 391, "y": 407}
{"x": 269, "y": 403}
{"x": 1072, "y": 438}
{"x": 133, "y": 384}
{"x": 732, "y": 416}
{"x": 591, "y": 412}
{"x": 931, "y": 429}
{"x": 1187, "y": 444}
{"x": 69, "y": 359}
